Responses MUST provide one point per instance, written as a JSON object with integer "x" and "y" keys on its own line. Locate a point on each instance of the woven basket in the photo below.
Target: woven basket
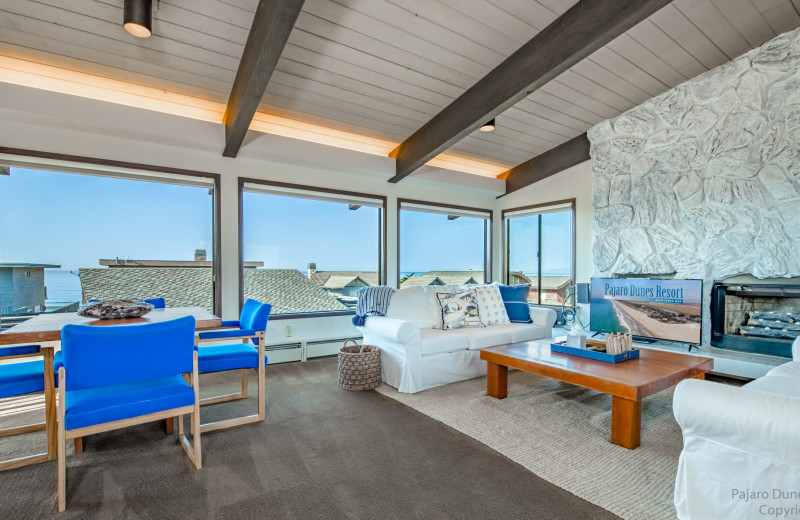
{"x": 359, "y": 366}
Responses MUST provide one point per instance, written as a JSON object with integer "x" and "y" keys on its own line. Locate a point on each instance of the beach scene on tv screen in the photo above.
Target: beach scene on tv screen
{"x": 665, "y": 309}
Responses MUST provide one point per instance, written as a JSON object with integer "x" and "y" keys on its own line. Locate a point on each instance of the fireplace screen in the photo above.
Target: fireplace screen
{"x": 764, "y": 319}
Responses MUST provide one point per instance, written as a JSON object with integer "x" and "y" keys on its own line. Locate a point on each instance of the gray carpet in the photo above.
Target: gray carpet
{"x": 561, "y": 433}
{"x": 321, "y": 453}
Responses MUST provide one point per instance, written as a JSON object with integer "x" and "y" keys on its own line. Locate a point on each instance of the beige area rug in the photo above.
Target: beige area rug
{"x": 560, "y": 432}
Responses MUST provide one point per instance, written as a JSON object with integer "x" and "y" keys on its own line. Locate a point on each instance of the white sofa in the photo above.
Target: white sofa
{"x": 418, "y": 354}
{"x": 741, "y": 439}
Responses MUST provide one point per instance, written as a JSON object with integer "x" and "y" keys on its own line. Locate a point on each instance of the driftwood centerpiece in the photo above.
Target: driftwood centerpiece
{"x": 116, "y": 309}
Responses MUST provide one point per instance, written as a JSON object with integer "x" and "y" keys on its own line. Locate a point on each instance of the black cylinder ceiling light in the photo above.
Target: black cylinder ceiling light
{"x": 138, "y": 17}
{"x": 488, "y": 126}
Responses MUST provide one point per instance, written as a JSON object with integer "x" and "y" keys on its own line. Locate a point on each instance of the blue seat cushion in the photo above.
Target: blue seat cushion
{"x": 20, "y": 350}
{"x": 21, "y": 378}
{"x": 92, "y": 406}
{"x": 227, "y": 357}
{"x": 227, "y": 334}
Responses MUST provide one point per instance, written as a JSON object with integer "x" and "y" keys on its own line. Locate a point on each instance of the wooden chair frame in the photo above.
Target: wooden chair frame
{"x": 28, "y": 459}
{"x": 193, "y": 449}
{"x": 262, "y": 409}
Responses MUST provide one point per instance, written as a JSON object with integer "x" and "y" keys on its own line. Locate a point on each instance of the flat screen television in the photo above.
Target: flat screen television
{"x": 649, "y": 308}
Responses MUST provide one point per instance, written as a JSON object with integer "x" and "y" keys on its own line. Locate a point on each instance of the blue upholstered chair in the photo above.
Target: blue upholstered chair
{"x": 119, "y": 376}
{"x": 19, "y": 379}
{"x": 249, "y": 354}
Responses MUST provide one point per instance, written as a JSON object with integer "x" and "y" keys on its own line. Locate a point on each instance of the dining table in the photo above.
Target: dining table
{"x": 45, "y": 330}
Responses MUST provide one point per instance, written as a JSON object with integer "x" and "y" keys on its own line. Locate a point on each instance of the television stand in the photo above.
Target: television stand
{"x": 644, "y": 339}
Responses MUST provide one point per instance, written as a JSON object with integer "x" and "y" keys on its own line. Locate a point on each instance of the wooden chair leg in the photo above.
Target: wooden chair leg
{"x": 262, "y": 404}
{"x": 244, "y": 382}
{"x": 80, "y": 443}
{"x": 62, "y": 446}
{"x": 198, "y": 453}
{"x": 198, "y": 456}
{"x": 169, "y": 425}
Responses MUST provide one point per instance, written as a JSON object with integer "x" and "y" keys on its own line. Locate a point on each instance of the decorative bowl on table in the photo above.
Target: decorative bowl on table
{"x": 116, "y": 309}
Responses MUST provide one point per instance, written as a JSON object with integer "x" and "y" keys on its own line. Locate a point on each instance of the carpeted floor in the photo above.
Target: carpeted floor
{"x": 321, "y": 453}
{"x": 561, "y": 433}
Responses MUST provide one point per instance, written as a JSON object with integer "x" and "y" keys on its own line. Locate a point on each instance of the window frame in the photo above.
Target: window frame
{"x": 79, "y": 160}
{"x": 488, "y": 232}
{"x": 534, "y": 207}
{"x": 382, "y": 238}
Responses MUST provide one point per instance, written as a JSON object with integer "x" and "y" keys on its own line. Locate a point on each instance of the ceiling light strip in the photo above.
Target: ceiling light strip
{"x": 65, "y": 81}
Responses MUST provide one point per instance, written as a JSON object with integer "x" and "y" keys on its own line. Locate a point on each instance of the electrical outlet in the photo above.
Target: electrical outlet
{"x": 288, "y": 330}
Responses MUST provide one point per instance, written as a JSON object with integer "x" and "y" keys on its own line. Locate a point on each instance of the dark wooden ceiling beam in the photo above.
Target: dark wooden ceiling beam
{"x": 272, "y": 24}
{"x": 585, "y": 27}
{"x": 563, "y": 156}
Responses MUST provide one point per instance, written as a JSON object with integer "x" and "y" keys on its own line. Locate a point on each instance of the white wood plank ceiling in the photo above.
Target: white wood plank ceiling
{"x": 382, "y": 68}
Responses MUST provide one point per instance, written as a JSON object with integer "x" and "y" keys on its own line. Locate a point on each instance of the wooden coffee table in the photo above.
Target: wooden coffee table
{"x": 627, "y": 382}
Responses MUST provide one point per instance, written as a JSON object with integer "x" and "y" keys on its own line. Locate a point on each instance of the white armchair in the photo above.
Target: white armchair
{"x": 739, "y": 445}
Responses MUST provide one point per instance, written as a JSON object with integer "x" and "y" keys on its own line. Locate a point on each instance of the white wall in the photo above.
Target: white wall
{"x": 576, "y": 183}
{"x": 45, "y": 121}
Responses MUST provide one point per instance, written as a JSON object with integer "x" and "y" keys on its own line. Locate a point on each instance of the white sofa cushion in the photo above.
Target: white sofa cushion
{"x": 491, "y": 308}
{"x": 441, "y": 341}
{"x": 411, "y": 304}
{"x": 433, "y": 302}
{"x": 485, "y": 337}
{"x": 522, "y": 331}
{"x": 775, "y": 385}
{"x": 790, "y": 369}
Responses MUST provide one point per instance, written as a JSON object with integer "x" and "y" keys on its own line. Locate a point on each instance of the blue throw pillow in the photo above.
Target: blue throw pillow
{"x": 515, "y": 299}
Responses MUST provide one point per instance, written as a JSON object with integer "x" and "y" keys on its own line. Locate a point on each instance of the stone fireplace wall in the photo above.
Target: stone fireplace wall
{"x": 702, "y": 181}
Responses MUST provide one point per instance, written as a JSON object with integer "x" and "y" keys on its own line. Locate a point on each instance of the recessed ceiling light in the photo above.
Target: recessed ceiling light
{"x": 488, "y": 126}
{"x": 138, "y": 17}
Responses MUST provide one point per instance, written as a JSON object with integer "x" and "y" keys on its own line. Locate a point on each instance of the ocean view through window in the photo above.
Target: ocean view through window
{"x": 314, "y": 249}
{"x": 540, "y": 245}
{"x": 71, "y": 233}
{"x": 441, "y": 245}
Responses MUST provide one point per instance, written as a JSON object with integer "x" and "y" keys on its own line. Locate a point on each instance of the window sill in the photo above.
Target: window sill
{"x": 299, "y": 315}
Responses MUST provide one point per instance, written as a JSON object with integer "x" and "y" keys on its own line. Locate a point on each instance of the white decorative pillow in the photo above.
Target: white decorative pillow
{"x": 431, "y": 292}
{"x": 490, "y": 303}
{"x": 459, "y": 310}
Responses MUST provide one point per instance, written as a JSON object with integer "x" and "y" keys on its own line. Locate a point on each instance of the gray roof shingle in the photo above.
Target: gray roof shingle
{"x": 424, "y": 280}
{"x": 179, "y": 286}
{"x": 322, "y": 277}
{"x": 457, "y": 277}
{"x": 287, "y": 290}
{"x": 549, "y": 282}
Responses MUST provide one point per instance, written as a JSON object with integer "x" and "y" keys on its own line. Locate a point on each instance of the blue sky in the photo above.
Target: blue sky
{"x": 287, "y": 232}
{"x": 430, "y": 242}
{"x": 75, "y": 220}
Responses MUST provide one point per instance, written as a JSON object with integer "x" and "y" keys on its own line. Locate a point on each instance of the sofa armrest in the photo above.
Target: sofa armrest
{"x": 543, "y": 316}
{"x": 796, "y": 349}
{"x": 750, "y": 421}
{"x": 390, "y": 329}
